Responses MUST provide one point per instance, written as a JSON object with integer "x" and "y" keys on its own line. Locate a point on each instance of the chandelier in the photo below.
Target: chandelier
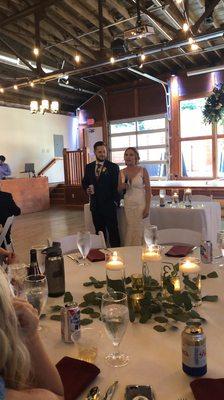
{"x": 44, "y": 106}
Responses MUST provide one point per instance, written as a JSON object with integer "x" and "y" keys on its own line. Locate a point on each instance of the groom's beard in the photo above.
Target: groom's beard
{"x": 101, "y": 159}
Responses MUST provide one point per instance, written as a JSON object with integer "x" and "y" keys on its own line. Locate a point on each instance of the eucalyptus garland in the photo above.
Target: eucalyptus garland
{"x": 214, "y": 107}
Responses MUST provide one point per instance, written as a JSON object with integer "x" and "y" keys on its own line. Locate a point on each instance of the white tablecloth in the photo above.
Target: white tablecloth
{"x": 207, "y": 214}
{"x": 155, "y": 358}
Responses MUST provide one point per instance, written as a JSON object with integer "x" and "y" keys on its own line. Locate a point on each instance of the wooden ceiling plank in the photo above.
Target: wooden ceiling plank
{"x": 208, "y": 11}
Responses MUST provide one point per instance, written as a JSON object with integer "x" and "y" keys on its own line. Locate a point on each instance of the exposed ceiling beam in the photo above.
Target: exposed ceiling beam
{"x": 18, "y": 55}
{"x": 208, "y": 11}
{"x": 27, "y": 11}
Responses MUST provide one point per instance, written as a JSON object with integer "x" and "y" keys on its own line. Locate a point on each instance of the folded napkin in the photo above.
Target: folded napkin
{"x": 179, "y": 251}
{"x": 76, "y": 375}
{"x": 207, "y": 389}
{"x": 96, "y": 255}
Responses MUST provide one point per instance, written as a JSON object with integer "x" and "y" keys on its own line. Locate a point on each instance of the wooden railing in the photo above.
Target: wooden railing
{"x": 74, "y": 166}
{"x": 49, "y": 165}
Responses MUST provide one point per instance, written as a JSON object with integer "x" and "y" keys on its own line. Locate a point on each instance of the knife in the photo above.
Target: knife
{"x": 110, "y": 391}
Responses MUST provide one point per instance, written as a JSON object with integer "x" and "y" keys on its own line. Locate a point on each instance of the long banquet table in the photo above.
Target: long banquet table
{"x": 155, "y": 358}
{"x": 207, "y": 215}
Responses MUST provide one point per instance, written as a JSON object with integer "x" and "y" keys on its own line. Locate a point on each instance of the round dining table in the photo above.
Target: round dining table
{"x": 155, "y": 358}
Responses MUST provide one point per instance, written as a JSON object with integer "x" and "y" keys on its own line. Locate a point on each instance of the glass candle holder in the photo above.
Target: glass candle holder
{"x": 175, "y": 199}
{"x": 191, "y": 278}
{"x": 150, "y": 235}
{"x": 151, "y": 256}
{"x": 170, "y": 280}
{"x": 115, "y": 273}
{"x": 187, "y": 197}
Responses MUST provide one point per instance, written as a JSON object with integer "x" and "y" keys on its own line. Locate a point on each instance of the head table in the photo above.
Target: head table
{"x": 155, "y": 358}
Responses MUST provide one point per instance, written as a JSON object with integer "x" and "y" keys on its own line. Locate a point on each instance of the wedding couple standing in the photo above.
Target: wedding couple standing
{"x": 104, "y": 184}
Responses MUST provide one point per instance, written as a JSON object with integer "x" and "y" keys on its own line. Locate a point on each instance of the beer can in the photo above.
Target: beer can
{"x": 194, "y": 349}
{"x": 70, "y": 321}
{"x": 206, "y": 252}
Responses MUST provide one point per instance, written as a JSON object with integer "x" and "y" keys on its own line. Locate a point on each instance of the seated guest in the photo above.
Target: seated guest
{"x": 8, "y": 208}
{"x": 25, "y": 370}
{"x": 4, "y": 168}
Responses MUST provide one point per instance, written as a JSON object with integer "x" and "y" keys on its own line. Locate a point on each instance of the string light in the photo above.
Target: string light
{"x": 141, "y": 66}
{"x": 32, "y": 84}
{"x": 1, "y": 90}
{"x": 112, "y": 60}
{"x": 194, "y": 47}
{"x": 36, "y": 51}
{"x": 77, "y": 58}
{"x": 142, "y": 57}
{"x": 179, "y": 1}
{"x": 15, "y": 87}
{"x": 185, "y": 27}
{"x": 191, "y": 40}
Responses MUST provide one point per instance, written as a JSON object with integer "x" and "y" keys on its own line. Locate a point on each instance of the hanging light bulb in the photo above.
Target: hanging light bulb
{"x": 77, "y": 58}
{"x": 54, "y": 107}
{"x": 15, "y": 87}
{"x": 185, "y": 27}
{"x": 33, "y": 107}
{"x": 36, "y": 51}
{"x": 1, "y": 90}
{"x": 178, "y": 1}
{"x": 141, "y": 66}
{"x": 112, "y": 60}
{"x": 194, "y": 47}
{"x": 31, "y": 84}
{"x": 191, "y": 40}
{"x": 45, "y": 104}
{"x": 142, "y": 57}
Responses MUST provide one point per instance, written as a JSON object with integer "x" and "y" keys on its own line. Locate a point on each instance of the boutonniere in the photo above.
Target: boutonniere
{"x": 104, "y": 169}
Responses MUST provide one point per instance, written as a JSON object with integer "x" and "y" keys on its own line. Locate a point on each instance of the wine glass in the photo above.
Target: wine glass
{"x": 36, "y": 291}
{"x": 115, "y": 315}
{"x": 150, "y": 235}
{"x": 219, "y": 259}
{"x": 16, "y": 276}
{"x": 84, "y": 244}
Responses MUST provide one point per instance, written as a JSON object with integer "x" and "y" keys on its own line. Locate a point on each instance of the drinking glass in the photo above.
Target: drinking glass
{"x": 150, "y": 235}
{"x": 36, "y": 291}
{"x": 219, "y": 258}
{"x": 84, "y": 244}
{"x": 16, "y": 276}
{"x": 115, "y": 315}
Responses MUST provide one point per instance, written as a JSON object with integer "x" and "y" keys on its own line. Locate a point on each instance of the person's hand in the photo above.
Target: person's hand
{"x": 10, "y": 258}
{"x": 145, "y": 213}
{"x": 27, "y": 316}
{"x": 124, "y": 186}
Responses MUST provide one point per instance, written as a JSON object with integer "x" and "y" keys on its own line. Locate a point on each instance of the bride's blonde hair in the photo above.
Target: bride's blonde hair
{"x": 15, "y": 364}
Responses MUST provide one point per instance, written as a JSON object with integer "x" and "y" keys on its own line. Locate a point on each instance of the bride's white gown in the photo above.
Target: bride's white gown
{"x": 134, "y": 205}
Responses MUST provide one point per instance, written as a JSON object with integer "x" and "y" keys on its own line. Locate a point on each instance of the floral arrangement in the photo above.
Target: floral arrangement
{"x": 214, "y": 107}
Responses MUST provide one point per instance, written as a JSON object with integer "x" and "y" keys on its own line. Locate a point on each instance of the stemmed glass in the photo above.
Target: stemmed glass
{"x": 150, "y": 235}
{"x": 84, "y": 245}
{"x": 115, "y": 315}
{"x": 36, "y": 291}
{"x": 219, "y": 259}
{"x": 16, "y": 276}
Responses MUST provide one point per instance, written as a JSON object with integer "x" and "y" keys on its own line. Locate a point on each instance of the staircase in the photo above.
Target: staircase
{"x": 57, "y": 194}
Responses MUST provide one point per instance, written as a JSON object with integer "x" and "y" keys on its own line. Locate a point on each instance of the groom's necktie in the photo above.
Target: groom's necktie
{"x": 98, "y": 170}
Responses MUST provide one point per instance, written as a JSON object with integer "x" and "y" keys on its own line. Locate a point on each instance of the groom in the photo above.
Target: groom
{"x": 100, "y": 182}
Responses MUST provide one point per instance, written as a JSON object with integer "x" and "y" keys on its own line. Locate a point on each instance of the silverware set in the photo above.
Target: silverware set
{"x": 94, "y": 392}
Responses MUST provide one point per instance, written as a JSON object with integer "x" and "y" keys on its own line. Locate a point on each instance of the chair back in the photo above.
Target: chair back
{"x": 200, "y": 197}
{"x": 179, "y": 237}
{"x": 4, "y": 232}
{"x": 69, "y": 243}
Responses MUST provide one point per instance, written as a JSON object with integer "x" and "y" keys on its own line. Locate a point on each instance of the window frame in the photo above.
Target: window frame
{"x": 165, "y": 146}
{"x": 213, "y": 137}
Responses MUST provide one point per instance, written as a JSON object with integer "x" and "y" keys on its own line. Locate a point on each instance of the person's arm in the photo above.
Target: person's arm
{"x": 9, "y": 257}
{"x": 13, "y": 208}
{"x": 121, "y": 182}
{"x": 115, "y": 175}
{"x": 7, "y": 170}
{"x": 146, "y": 182}
{"x": 46, "y": 375}
{"x": 86, "y": 182}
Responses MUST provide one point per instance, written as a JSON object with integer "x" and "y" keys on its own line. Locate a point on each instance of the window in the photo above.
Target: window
{"x": 149, "y": 135}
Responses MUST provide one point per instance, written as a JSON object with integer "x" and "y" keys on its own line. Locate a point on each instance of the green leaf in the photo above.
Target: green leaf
{"x": 55, "y": 317}
{"x": 145, "y": 317}
{"x": 86, "y": 284}
{"x": 56, "y": 308}
{"x": 83, "y": 304}
{"x": 87, "y": 310}
{"x": 95, "y": 315}
{"x": 93, "y": 280}
{"x": 159, "y": 328}
{"x": 42, "y": 316}
{"x": 212, "y": 299}
{"x": 194, "y": 314}
{"x": 212, "y": 275}
{"x": 98, "y": 285}
{"x": 161, "y": 320}
{"x": 128, "y": 280}
{"x": 203, "y": 277}
{"x": 189, "y": 283}
{"x": 86, "y": 321}
{"x": 68, "y": 298}
{"x": 181, "y": 317}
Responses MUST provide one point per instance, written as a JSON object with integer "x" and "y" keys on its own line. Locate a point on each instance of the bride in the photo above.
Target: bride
{"x": 134, "y": 183}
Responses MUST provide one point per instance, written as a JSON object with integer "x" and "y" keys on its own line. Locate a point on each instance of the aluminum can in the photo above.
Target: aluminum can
{"x": 70, "y": 321}
{"x": 206, "y": 252}
{"x": 194, "y": 350}
{"x": 91, "y": 187}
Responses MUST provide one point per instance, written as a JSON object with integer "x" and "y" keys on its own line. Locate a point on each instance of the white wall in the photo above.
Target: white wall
{"x": 27, "y": 138}
{"x": 56, "y": 172}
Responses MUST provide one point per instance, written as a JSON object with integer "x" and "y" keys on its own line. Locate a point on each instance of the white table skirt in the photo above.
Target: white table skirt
{"x": 155, "y": 358}
{"x": 167, "y": 217}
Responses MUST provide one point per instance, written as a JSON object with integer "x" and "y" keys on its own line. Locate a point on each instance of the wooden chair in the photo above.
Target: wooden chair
{"x": 4, "y": 232}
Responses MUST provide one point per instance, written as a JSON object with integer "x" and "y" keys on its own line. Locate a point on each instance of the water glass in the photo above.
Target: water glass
{"x": 150, "y": 234}
{"x": 115, "y": 315}
{"x": 36, "y": 291}
{"x": 16, "y": 276}
{"x": 84, "y": 245}
{"x": 191, "y": 278}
